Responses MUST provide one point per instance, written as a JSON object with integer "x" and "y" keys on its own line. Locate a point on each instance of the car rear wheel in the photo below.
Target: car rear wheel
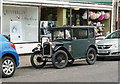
{"x": 60, "y": 59}
{"x": 8, "y": 66}
{"x": 91, "y": 56}
{"x": 37, "y": 61}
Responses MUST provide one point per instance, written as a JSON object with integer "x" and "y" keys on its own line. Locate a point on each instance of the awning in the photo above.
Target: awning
{"x": 60, "y": 4}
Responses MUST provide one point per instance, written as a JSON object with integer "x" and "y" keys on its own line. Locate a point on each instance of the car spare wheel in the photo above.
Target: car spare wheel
{"x": 60, "y": 59}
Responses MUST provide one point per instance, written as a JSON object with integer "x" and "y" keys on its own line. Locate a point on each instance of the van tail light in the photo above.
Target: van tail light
{"x": 12, "y": 45}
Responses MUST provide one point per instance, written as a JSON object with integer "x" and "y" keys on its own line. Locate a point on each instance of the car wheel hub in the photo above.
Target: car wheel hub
{"x": 59, "y": 59}
{"x": 39, "y": 59}
{"x": 8, "y": 67}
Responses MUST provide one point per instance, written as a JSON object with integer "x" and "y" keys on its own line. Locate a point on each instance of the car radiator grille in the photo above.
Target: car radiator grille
{"x": 46, "y": 49}
{"x": 104, "y": 46}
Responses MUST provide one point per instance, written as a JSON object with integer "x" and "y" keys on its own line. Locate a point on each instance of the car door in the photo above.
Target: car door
{"x": 79, "y": 42}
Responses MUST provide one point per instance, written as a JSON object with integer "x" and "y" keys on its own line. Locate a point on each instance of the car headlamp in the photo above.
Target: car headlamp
{"x": 39, "y": 46}
{"x": 115, "y": 46}
{"x": 53, "y": 45}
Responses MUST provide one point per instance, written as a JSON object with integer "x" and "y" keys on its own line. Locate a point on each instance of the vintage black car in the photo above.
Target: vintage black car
{"x": 67, "y": 44}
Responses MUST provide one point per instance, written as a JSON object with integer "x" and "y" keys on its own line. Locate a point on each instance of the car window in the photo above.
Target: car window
{"x": 62, "y": 34}
{"x": 80, "y": 33}
{"x": 114, "y": 35}
{"x": 91, "y": 33}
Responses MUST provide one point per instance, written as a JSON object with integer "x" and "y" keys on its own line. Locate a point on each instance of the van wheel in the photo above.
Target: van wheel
{"x": 60, "y": 59}
{"x": 37, "y": 61}
{"x": 8, "y": 66}
{"x": 91, "y": 56}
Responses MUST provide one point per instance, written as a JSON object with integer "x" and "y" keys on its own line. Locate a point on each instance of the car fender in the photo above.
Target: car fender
{"x": 63, "y": 48}
{"x": 12, "y": 54}
{"x": 92, "y": 46}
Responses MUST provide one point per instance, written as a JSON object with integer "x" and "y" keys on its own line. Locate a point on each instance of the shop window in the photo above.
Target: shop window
{"x": 20, "y": 23}
{"x": 100, "y": 19}
{"x": 68, "y": 17}
{"x": 48, "y": 14}
{"x": 48, "y": 20}
{"x": 80, "y": 33}
{"x": 79, "y": 17}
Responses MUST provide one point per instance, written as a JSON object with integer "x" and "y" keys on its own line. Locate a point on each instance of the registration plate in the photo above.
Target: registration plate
{"x": 102, "y": 51}
{"x": 48, "y": 59}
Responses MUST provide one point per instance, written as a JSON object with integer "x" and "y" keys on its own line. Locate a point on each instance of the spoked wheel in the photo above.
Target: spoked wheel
{"x": 60, "y": 59}
{"x": 70, "y": 62}
{"x": 37, "y": 61}
{"x": 91, "y": 56}
{"x": 8, "y": 66}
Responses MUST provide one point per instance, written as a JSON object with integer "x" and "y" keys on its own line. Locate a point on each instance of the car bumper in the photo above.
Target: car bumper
{"x": 110, "y": 53}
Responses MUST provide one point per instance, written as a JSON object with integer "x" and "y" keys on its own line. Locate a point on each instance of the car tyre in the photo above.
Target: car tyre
{"x": 8, "y": 66}
{"x": 60, "y": 59}
{"x": 91, "y": 56}
{"x": 36, "y": 61}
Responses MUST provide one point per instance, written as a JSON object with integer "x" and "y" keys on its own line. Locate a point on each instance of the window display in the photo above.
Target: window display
{"x": 20, "y": 23}
{"x": 79, "y": 17}
{"x": 100, "y": 19}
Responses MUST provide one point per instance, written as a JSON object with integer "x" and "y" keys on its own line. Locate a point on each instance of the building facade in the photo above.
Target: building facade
{"x": 25, "y": 21}
{"x": 119, "y": 15}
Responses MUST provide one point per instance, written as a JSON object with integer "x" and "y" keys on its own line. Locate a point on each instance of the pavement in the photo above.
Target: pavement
{"x": 24, "y": 60}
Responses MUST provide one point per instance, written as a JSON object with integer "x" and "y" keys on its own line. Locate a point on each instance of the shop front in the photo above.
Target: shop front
{"x": 26, "y": 22}
{"x": 119, "y": 15}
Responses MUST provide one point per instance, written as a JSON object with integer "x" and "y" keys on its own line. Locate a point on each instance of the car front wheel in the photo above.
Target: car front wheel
{"x": 91, "y": 56}
{"x": 60, "y": 59}
{"x": 37, "y": 61}
{"x": 8, "y": 66}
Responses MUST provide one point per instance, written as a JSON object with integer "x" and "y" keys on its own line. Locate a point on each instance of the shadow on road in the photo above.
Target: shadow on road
{"x": 108, "y": 59}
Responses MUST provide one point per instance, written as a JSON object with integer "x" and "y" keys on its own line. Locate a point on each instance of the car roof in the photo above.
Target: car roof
{"x": 73, "y": 27}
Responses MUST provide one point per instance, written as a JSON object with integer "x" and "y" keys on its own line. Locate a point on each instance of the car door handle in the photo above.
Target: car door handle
{"x": 88, "y": 41}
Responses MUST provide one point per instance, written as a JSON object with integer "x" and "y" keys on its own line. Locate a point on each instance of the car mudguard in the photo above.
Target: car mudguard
{"x": 65, "y": 49}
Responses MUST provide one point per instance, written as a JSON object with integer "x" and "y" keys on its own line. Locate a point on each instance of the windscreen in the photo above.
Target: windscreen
{"x": 114, "y": 35}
